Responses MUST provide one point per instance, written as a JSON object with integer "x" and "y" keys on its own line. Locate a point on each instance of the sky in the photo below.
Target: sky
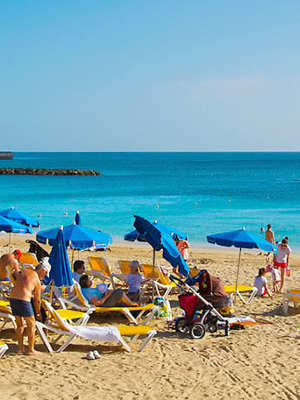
{"x": 98, "y": 75}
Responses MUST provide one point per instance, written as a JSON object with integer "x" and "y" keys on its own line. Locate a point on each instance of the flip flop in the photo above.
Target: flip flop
{"x": 90, "y": 355}
{"x": 96, "y": 355}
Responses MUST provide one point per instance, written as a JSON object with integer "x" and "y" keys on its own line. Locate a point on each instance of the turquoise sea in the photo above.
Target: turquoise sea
{"x": 198, "y": 193}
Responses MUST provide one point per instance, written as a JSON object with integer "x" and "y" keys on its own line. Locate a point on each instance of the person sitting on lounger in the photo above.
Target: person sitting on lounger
{"x": 11, "y": 260}
{"x": 79, "y": 269}
{"x": 134, "y": 280}
{"x": 100, "y": 296}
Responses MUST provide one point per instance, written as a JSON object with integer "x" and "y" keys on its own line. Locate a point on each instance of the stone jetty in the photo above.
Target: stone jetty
{"x": 42, "y": 171}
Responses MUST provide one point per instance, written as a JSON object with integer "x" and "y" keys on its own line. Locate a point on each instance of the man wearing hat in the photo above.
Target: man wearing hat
{"x": 28, "y": 283}
{"x": 9, "y": 260}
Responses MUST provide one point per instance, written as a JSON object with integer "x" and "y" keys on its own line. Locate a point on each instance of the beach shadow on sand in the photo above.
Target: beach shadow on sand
{"x": 278, "y": 311}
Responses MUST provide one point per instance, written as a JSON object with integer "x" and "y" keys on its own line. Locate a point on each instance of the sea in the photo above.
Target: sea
{"x": 197, "y": 193}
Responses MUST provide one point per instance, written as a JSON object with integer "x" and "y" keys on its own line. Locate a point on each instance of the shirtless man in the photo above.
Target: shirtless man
{"x": 269, "y": 234}
{"x": 28, "y": 283}
{"x": 11, "y": 260}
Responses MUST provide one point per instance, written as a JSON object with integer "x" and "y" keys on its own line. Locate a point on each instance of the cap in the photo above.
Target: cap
{"x": 18, "y": 253}
{"x": 45, "y": 265}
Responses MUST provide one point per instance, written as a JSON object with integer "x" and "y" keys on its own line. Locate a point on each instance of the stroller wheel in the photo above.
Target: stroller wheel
{"x": 213, "y": 328}
{"x": 181, "y": 325}
{"x": 197, "y": 331}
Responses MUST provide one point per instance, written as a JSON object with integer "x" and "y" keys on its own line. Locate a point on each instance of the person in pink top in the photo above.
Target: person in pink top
{"x": 281, "y": 259}
{"x": 182, "y": 246}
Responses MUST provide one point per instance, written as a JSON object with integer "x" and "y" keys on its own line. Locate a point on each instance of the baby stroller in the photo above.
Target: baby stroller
{"x": 202, "y": 315}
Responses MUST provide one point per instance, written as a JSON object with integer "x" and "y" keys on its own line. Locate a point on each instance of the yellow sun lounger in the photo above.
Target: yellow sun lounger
{"x": 6, "y": 314}
{"x": 60, "y": 326}
{"x": 99, "y": 268}
{"x": 230, "y": 289}
{"x": 83, "y": 305}
{"x": 3, "y": 348}
{"x": 291, "y": 295}
{"x": 28, "y": 259}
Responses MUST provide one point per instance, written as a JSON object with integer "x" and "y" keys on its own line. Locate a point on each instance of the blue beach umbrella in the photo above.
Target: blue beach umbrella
{"x": 159, "y": 239}
{"x": 135, "y": 235}
{"x": 76, "y": 236}
{"x": 20, "y": 217}
{"x": 60, "y": 267}
{"x": 241, "y": 239}
{"x": 10, "y": 226}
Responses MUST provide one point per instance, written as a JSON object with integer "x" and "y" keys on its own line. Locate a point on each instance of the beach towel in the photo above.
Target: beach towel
{"x": 101, "y": 333}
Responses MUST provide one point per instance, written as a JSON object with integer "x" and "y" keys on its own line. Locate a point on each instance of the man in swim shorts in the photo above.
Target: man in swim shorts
{"x": 28, "y": 283}
{"x": 9, "y": 260}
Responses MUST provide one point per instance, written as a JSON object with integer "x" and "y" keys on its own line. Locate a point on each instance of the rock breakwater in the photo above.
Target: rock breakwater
{"x": 43, "y": 171}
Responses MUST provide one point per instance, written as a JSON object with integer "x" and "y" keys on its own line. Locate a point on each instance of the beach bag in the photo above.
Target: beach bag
{"x": 188, "y": 303}
{"x": 165, "y": 311}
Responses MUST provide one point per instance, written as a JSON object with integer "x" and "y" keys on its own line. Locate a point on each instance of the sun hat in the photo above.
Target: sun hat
{"x": 134, "y": 264}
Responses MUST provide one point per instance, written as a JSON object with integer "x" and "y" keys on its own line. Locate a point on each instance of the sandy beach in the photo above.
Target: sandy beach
{"x": 255, "y": 363}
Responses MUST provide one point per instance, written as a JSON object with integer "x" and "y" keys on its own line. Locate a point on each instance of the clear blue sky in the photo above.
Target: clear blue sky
{"x": 157, "y": 75}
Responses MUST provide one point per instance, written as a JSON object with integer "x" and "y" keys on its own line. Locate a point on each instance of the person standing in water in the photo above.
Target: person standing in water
{"x": 269, "y": 234}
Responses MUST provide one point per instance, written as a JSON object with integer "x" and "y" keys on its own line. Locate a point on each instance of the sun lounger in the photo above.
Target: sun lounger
{"x": 28, "y": 259}
{"x": 100, "y": 269}
{"x": 60, "y": 326}
{"x": 83, "y": 305}
{"x": 6, "y": 314}
{"x": 291, "y": 295}
{"x": 159, "y": 279}
{"x": 3, "y": 348}
{"x": 230, "y": 289}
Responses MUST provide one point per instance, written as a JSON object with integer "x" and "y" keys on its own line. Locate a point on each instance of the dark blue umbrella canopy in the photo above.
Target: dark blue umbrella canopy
{"x": 77, "y": 236}
{"x": 241, "y": 238}
{"x": 160, "y": 240}
{"x": 135, "y": 235}
{"x": 8, "y": 225}
{"x": 78, "y": 219}
{"x": 19, "y": 216}
{"x": 60, "y": 267}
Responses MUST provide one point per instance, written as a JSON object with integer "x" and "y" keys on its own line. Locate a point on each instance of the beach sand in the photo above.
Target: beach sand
{"x": 260, "y": 362}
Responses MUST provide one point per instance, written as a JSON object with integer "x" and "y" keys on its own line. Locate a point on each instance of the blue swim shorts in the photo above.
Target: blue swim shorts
{"x": 21, "y": 308}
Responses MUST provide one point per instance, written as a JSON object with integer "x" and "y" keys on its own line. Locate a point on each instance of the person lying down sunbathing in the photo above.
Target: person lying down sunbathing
{"x": 100, "y": 296}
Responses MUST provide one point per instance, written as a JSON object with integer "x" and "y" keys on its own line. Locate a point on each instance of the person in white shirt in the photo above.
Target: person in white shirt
{"x": 281, "y": 259}
{"x": 261, "y": 283}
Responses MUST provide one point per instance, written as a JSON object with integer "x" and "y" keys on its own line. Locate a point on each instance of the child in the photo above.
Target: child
{"x": 261, "y": 283}
{"x": 276, "y": 279}
{"x": 134, "y": 280}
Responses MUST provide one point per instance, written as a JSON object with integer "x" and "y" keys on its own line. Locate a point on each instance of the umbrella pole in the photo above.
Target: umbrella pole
{"x": 9, "y": 242}
{"x": 153, "y": 275}
{"x": 72, "y": 258}
{"x": 51, "y": 291}
{"x": 237, "y": 274}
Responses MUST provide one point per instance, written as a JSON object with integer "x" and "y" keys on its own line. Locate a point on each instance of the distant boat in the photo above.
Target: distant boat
{"x": 6, "y": 155}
